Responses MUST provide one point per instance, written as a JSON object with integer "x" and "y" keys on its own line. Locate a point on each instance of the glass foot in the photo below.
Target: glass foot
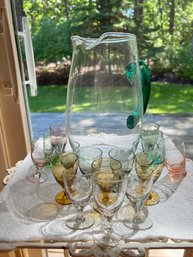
{"x": 87, "y": 223}
{"x": 61, "y": 198}
{"x": 139, "y": 226}
{"x": 127, "y": 213}
{"x": 152, "y": 199}
{"x": 43, "y": 212}
{"x": 106, "y": 240}
{"x": 35, "y": 177}
{"x": 96, "y": 216}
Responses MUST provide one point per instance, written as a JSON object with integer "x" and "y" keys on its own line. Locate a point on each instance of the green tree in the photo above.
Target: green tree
{"x": 163, "y": 28}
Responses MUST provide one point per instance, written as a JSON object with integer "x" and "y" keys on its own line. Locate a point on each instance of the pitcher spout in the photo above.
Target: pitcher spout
{"x": 86, "y": 43}
{"x": 108, "y": 37}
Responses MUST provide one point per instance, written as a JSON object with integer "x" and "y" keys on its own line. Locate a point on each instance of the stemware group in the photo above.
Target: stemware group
{"x": 105, "y": 176}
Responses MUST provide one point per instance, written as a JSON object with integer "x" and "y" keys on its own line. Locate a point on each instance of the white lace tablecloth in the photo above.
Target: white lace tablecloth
{"x": 29, "y": 214}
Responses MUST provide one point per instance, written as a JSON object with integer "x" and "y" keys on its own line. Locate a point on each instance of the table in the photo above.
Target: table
{"x": 30, "y": 217}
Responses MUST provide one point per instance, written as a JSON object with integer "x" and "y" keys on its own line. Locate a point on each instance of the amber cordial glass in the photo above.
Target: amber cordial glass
{"x": 61, "y": 163}
{"x": 144, "y": 169}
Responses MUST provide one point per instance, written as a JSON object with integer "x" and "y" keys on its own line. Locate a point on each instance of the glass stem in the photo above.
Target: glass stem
{"x": 107, "y": 226}
{"x": 136, "y": 218}
{"x": 79, "y": 217}
{"x": 37, "y": 173}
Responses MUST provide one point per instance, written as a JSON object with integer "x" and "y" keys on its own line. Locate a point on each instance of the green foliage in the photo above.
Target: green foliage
{"x": 184, "y": 69}
{"x": 164, "y": 29}
{"x": 51, "y": 41}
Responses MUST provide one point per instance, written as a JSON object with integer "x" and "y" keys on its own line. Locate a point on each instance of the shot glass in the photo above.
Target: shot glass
{"x": 58, "y": 137}
{"x": 149, "y": 134}
{"x": 175, "y": 157}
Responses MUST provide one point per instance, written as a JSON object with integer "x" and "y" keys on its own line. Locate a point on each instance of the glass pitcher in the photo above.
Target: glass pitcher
{"x": 105, "y": 104}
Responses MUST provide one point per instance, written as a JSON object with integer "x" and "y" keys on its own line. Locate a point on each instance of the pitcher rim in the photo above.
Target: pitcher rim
{"x": 107, "y": 37}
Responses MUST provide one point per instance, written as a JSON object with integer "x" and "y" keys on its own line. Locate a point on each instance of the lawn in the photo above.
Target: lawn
{"x": 171, "y": 98}
{"x": 165, "y": 98}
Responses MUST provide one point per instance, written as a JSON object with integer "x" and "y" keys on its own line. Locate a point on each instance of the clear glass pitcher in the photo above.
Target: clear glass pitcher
{"x": 105, "y": 103}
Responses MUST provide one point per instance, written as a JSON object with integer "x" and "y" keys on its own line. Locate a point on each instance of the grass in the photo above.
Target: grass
{"x": 165, "y": 98}
{"x": 171, "y": 98}
{"x": 49, "y": 99}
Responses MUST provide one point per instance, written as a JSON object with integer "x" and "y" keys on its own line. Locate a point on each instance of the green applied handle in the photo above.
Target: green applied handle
{"x": 134, "y": 117}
